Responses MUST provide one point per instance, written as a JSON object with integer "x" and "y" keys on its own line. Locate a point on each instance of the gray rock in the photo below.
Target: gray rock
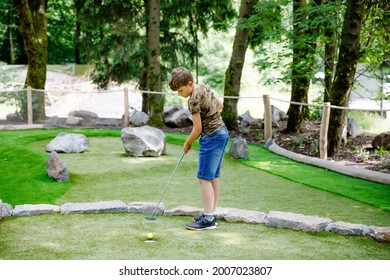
{"x": 35, "y": 209}
{"x": 382, "y": 140}
{"x": 89, "y": 118}
{"x": 353, "y": 128}
{"x": 51, "y": 122}
{"x": 56, "y": 168}
{"x": 115, "y": 206}
{"x": 68, "y": 143}
{"x": 1, "y": 209}
{"x": 344, "y": 228}
{"x": 228, "y": 214}
{"x": 296, "y": 221}
{"x": 74, "y": 121}
{"x": 269, "y": 142}
{"x": 277, "y": 115}
{"x": 144, "y": 141}
{"x": 238, "y": 148}
{"x": 181, "y": 118}
{"x": 381, "y": 234}
{"x": 14, "y": 117}
{"x": 145, "y": 207}
{"x": 239, "y": 215}
{"x": 170, "y": 110}
{"x": 138, "y": 118}
{"x": 6, "y": 210}
{"x": 247, "y": 120}
{"x": 110, "y": 122}
{"x": 183, "y": 210}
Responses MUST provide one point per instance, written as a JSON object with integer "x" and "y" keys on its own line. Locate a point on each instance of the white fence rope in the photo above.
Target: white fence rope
{"x": 227, "y": 97}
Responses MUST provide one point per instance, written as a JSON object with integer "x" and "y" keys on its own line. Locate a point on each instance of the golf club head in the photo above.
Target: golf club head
{"x": 150, "y": 218}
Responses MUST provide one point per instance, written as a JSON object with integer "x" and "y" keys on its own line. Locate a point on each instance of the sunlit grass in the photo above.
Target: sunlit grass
{"x": 370, "y": 122}
{"x": 122, "y": 237}
{"x": 103, "y": 172}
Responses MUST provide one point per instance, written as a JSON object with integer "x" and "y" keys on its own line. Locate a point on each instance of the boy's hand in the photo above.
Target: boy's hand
{"x": 196, "y": 131}
{"x": 186, "y": 147}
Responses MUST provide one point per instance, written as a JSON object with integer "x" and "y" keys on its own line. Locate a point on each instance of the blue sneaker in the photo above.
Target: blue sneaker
{"x": 202, "y": 224}
{"x": 197, "y": 219}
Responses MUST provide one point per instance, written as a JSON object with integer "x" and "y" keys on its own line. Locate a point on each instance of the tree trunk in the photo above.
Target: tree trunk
{"x": 304, "y": 49}
{"x": 77, "y": 32}
{"x": 10, "y": 37}
{"x": 330, "y": 57}
{"x": 236, "y": 64}
{"x": 33, "y": 21}
{"x": 156, "y": 101}
{"x": 349, "y": 55}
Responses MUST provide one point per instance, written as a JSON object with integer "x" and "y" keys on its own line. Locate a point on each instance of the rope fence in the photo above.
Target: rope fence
{"x": 326, "y": 108}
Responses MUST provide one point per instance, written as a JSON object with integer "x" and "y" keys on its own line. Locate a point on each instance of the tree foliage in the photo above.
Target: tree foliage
{"x": 117, "y": 29}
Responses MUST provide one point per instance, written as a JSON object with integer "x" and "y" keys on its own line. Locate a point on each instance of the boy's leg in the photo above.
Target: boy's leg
{"x": 217, "y": 191}
{"x": 208, "y": 196}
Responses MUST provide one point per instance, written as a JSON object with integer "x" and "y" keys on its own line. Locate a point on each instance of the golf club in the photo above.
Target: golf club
{"x": 152, "y": 218}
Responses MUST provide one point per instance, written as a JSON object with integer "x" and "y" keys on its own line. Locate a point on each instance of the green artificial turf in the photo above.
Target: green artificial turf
{"x": 23, "y": 178}
{"x": 104, "y": 172}
{"x": 373, "y": 193}
{"x": 122, "y": 236}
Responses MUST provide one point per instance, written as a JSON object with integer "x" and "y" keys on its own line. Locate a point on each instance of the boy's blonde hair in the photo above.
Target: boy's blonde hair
{"x": 179, "y": 77}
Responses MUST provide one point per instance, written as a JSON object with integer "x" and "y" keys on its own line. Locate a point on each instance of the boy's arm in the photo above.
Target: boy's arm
{"x": 196, "y": 131}
{"x": 219, "y": 106}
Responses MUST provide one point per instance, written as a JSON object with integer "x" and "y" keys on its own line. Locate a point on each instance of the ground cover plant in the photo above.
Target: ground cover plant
{"x": 103, "y": 172}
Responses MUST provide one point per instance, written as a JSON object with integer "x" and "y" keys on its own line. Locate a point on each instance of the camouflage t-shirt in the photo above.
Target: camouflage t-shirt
{"x": 202, "y": 100}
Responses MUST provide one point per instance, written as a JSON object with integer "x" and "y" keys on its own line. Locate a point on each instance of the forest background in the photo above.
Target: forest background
{"x": 291, "y": 40}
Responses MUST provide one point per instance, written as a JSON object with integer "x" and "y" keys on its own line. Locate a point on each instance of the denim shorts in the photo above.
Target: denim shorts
{"x": 211, "y": 153}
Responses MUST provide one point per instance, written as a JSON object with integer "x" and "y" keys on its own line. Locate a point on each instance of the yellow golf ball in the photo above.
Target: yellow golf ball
{"x": 150, "y": 235}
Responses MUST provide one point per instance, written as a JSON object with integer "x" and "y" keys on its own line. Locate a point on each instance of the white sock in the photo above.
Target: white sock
{"x": 209, "y": 217}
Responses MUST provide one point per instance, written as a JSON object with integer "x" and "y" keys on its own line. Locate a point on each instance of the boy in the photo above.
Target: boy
{"x": 207, "y": 122}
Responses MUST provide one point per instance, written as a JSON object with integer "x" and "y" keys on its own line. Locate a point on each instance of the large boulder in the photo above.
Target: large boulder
{"x": 56, "y": 168}
{"x": 137, "y": 118}
{"x": 89, "y": 118}
{"x": 51, "y": 122}
{"x": 177, "y": 116}
{"x": 247, "y": 120}
{"x": 277, "y": 115}
{"x": 144, "y": 141}
{"x": 353, "y": 128}
{"x": 74, "y": 121}
{"x": 239, "y": 149}
{"x": 68, "y": 143}
{"x": 14, "y": 117}
{"x": 382, "y": 140}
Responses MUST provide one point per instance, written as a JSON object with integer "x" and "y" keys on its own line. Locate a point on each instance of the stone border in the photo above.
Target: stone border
{"x": 20, "y": 126}
{"x": 347, "y": 170}
{"x": 275, "y": 219}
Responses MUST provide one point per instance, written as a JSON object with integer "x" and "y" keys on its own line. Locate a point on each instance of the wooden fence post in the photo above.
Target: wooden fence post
{"x": 324, "y": 131}
{"x": 29, "y": 106}
{"x": 126, "y": 115}
{"x": 267, "y": 117}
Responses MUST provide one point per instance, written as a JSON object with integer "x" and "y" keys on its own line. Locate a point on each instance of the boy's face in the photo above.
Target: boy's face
{"x": 185, "y": 91}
